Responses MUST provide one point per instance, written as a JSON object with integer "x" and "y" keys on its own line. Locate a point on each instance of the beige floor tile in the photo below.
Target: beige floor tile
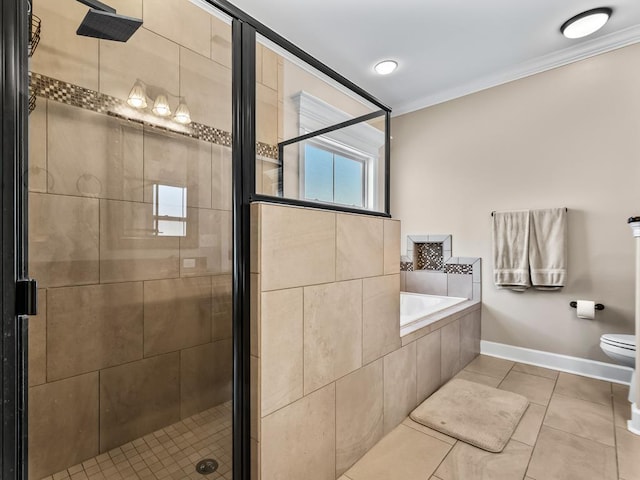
{"x": 471, "y": 463}
{"x": 563, "y": 456}
{"x": 529, "y": 426}
{"x": 628, "y": 454}
{"x": 620, "y": 392}
{"x": 491, "y": 366}
{"x": 535, "y": 370}
{"x": 536, "y": 389}
{"x": 584, "y": 388}
{"x": 429, "y": 431}
{"x": 621, "y": 412}
{"x": 403, "y": 454}
{"x": 585, "y": 419}
{"x": 478, "y": 378}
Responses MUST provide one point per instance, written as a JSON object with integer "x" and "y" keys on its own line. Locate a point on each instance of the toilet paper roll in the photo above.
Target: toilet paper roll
{"x": 586, "y": 309}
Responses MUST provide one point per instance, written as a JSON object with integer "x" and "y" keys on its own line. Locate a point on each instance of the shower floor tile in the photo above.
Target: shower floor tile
{"x": 169, "y": 453}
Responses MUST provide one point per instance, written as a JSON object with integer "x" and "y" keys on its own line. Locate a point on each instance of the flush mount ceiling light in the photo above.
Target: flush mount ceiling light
{"x": 386, "y": 67}
{"x": 586, "y": 23}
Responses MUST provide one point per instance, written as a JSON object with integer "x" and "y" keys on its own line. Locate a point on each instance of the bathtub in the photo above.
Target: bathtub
{"x": 414, "y": 307}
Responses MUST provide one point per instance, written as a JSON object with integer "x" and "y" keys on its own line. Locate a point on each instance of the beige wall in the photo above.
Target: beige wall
{"x": 330, "y": 372}
{"x": 569, "y": 137}
{"x": 129, "y": 338}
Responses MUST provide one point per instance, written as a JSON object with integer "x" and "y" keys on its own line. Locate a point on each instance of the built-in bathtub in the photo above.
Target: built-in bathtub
{"x": 418, "y": 309}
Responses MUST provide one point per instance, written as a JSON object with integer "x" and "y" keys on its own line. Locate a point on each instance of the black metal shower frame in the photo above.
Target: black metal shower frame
{"x": 14, "y": 29}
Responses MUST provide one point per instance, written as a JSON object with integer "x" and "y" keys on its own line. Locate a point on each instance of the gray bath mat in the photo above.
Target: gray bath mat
{"x": 476, "y": 414}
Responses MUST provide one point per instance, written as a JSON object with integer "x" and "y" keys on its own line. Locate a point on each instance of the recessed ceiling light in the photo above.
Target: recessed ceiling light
{"x": 586, "y": 23}
{"x": 386, "y": 67}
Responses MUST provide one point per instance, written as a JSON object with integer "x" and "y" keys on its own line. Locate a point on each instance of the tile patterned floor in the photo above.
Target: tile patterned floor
{"x": 169, "y": 453}
{"x": 574, "y": 428}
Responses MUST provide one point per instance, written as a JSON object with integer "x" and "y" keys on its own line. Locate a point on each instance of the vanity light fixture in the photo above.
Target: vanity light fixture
{"x": 161, "y": 106}
{"x": 586, "y": 23}
{"x": 386, "y": 67}
{"x": 182, "y": 114}
{"x": 137, "y": 96}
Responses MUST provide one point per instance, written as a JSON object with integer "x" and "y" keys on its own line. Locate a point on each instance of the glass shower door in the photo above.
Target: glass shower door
{"x": 130, "y": 239}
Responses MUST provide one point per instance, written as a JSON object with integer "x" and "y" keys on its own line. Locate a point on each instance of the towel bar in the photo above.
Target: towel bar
{"x": 565, "y": 209}
{"x": 598, "y": 306}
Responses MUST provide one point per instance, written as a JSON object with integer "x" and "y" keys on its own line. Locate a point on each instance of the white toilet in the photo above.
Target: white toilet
{"x": 621, "y": 348}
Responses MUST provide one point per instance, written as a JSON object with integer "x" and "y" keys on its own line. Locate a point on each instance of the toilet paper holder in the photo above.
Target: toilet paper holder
{"x": 598, "y": 306}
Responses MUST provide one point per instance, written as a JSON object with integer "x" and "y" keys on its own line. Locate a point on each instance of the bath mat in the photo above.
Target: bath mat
{"x": 476, "y": 414}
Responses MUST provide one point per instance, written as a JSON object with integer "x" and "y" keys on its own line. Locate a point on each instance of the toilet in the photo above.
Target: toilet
{"x": 621, "y": 348}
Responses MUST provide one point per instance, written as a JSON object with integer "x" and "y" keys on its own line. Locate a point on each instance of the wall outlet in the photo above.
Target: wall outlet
{"x": 189, "y": 263}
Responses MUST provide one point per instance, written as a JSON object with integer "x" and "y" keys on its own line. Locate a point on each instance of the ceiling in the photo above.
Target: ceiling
{"x": 445, "y": 48}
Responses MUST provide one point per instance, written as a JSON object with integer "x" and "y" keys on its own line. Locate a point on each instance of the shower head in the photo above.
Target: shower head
{"x": 102, "y": 21}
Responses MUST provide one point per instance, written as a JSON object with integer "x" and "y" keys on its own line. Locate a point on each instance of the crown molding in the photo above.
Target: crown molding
{"x": 581, "y": 51}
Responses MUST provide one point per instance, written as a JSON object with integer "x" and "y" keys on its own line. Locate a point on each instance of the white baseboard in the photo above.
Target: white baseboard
{"x": 564, "y": 363}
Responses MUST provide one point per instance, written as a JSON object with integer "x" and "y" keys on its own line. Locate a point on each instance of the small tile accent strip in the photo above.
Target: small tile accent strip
{"x": 74, "y": 95}
{"x": 459, "y": 269}
{"x": 406, "y": 266}
{"x": 428, "y": 256}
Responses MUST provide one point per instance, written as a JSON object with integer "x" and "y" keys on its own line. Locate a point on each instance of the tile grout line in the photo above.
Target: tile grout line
{"x": 546, "y": 408}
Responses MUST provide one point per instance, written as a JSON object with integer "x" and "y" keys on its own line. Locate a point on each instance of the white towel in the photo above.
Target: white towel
{"x": 548, "y": 248}
{"x": 511, "y": 250}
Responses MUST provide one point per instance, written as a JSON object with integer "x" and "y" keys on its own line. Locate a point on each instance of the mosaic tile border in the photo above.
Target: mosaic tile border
{"x": 77, "y": 96}
{"x": 459, "y": 269}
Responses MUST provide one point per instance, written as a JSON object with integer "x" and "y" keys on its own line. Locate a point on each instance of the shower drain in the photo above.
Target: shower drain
{"x": 206, "y": 466}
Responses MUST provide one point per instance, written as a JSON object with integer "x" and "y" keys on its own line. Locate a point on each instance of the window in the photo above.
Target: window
{"x": 169, "y": 211}
{"x": 332, "y": 177}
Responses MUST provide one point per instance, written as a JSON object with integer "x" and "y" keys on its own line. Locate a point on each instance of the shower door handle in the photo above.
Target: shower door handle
{"x": 27, "y": 297}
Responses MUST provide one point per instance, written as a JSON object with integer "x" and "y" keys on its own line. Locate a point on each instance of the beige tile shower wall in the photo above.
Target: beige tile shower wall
{"x": 134, "y": 329}
{"x": 567, "y": 137}
{"x": 329, "y": 374}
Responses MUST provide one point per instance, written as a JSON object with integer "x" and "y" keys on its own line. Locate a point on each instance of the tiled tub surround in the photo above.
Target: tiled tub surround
{"x": 134, "y": 329}
{"x": 460, "y": 277}
{"x": 331, "y": 374}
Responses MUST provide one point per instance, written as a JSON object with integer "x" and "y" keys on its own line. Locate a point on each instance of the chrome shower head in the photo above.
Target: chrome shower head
{"x": 103, "y": 22}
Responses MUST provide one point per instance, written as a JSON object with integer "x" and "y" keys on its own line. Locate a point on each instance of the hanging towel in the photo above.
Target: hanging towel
{"x": 511, "y": 250}
{"x": 548, "y": 248}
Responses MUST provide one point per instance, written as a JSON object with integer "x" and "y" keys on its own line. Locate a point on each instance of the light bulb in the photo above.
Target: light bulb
{"x": 137, "y": 96}
{"x": 161, "y": 106}
{"x": 386, "y": 67}
{"x": 182, "y": 114}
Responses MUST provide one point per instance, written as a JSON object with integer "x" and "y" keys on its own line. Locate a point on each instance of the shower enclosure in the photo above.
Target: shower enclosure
{"x": 151, "y": 127}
